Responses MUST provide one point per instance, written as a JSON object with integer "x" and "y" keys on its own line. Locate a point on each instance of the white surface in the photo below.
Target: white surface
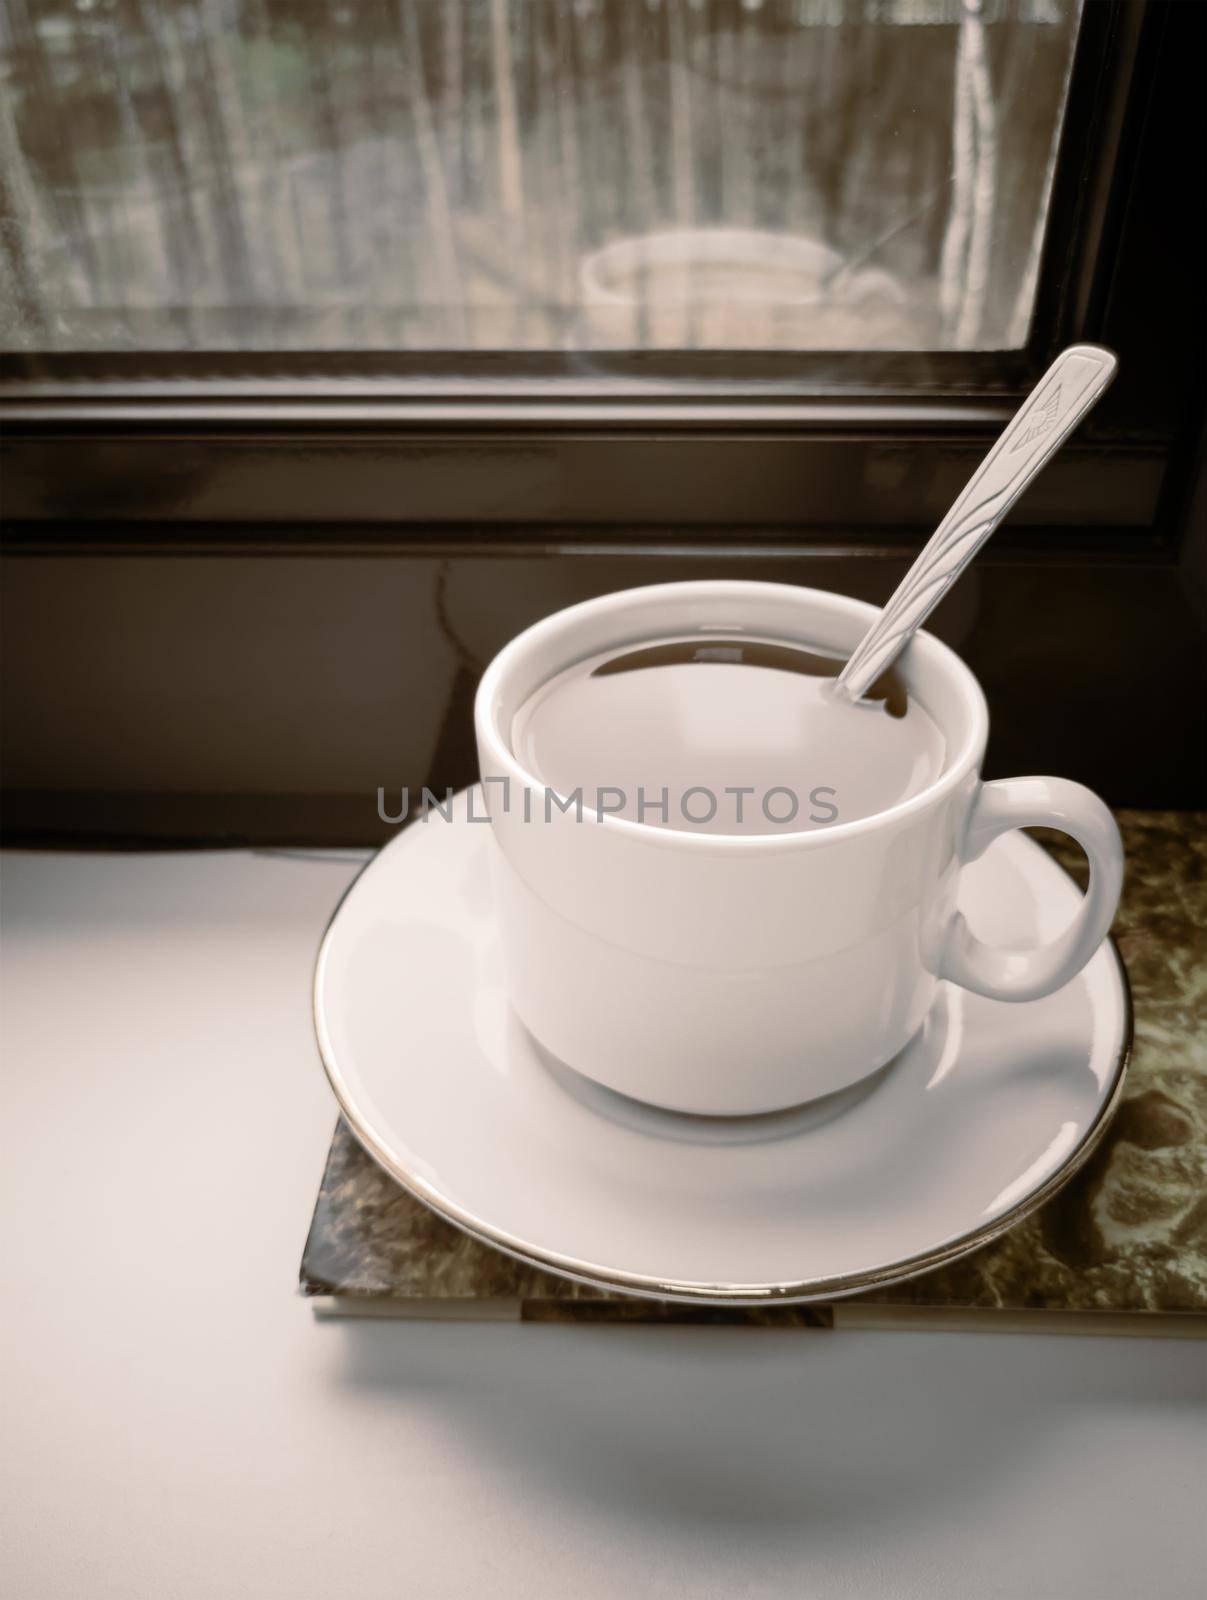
{"x": 985, "y": 1107}
{"x": 176, "y": 1425}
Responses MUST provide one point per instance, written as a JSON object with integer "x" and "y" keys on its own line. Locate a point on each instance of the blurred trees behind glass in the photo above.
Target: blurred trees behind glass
{"x": 525, "y": 174}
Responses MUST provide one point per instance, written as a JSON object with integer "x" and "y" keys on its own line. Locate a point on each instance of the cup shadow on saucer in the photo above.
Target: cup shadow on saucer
{"x": 689, "y": 1127}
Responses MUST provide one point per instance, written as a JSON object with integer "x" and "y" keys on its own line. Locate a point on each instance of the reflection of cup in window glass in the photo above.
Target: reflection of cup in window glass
{"x": 732, "y": 288}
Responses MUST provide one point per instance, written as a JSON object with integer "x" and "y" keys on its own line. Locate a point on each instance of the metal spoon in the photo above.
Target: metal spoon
{"x": 1066, "y": 392}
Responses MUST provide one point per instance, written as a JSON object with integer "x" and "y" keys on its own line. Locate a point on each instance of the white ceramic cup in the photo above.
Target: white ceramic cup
{"x": 728, "y": 974}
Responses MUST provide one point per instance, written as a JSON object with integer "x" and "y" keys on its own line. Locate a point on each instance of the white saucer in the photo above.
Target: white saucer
{"x": 983, "y": 1116}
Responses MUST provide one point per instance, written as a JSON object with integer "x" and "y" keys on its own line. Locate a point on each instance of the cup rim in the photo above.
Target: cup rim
{"x": 955, "y": 772}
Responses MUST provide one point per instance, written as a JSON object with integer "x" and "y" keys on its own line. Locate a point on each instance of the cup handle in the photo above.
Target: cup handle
{"x": 1048, "y": 803}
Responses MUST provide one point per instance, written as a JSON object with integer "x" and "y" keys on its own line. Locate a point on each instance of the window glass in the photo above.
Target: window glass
{"x": 479, "y": 175}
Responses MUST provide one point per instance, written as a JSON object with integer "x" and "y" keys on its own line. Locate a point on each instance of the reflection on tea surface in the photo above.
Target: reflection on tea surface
{"x": 724, "y": 736}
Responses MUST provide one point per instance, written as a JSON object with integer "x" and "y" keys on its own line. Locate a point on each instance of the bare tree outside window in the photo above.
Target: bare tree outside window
{"x": 477, "y": 175}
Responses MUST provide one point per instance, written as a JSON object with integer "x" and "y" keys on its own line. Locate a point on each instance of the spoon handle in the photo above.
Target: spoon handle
{"x": 1071, "y": 385}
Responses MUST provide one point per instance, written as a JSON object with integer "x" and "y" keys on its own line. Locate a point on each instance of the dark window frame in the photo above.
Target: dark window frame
{"x": 845, "y": 444}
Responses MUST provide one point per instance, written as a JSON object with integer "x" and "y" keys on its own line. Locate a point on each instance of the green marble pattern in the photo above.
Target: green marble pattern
{"x": 1127, "y": 1234}
{"x": 372, "y": 1240}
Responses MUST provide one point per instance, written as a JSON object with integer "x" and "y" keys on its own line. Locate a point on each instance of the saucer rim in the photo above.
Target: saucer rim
{"x": 687, "y": 1291}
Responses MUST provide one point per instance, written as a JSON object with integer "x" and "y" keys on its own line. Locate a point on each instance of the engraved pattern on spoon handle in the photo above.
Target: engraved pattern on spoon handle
{"x": 1069, "y": 388}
